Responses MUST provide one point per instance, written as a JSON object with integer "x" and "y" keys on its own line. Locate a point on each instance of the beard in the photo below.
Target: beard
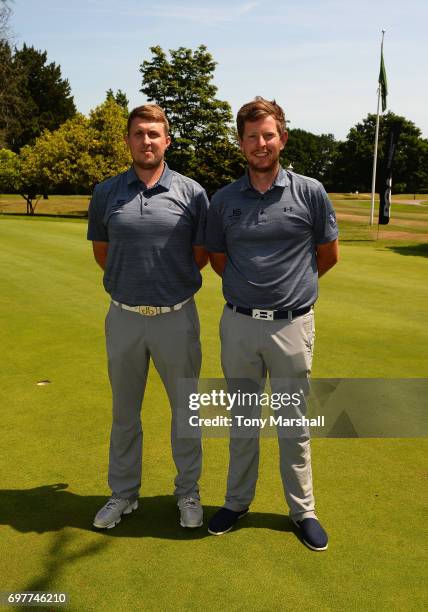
{"x": 263, "y": 169}
{"x": 149, "y": 165}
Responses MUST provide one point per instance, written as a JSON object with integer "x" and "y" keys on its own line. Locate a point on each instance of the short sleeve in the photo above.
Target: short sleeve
{"x": 214, "y": 240}
{"x": 96, "y": 227}
{"x": 201, "y": 202}
{"x": 325, "y": 225}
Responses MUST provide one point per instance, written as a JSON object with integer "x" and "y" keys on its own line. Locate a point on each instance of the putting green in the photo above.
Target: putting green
{"x": 370, "y": 492}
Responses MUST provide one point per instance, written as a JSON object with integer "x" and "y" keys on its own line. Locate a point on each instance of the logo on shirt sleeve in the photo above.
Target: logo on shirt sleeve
{"x": 332, "y": 219}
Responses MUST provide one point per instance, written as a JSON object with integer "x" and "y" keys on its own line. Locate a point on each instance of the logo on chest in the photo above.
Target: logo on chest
{"x": 236, "y": 212}
{"x": 288, "y": 209}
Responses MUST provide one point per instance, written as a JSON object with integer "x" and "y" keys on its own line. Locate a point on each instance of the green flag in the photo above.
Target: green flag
{"x": 382, "y": 82}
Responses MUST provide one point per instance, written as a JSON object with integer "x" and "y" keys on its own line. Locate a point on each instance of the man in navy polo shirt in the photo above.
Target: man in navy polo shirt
{"x": 147, "y": 229}
{"x": 271, "y": 235}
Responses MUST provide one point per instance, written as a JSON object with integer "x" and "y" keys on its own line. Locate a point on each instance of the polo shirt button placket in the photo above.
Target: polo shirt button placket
{"x": 262, "y": 211}
{"x": 143, "y": 202}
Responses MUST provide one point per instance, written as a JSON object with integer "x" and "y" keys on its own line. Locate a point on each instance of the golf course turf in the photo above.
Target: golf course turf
{"x": 370, "y": 493}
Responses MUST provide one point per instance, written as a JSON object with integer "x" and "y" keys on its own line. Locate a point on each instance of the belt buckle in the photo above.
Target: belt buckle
{"x": 266, "y": 315}
{"x": 148, "y": 311}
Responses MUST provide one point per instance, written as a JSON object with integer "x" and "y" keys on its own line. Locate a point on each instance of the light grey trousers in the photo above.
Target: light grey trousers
{"x": 251, "y": 348}
{"x": 172, "y": 341}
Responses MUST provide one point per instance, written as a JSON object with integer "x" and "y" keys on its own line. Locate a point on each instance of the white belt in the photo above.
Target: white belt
{"x": 151, "y": 311}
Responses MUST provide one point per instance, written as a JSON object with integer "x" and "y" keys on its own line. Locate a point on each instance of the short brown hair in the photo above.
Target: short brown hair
{"x": 257, "y": 109}
{"x": 149, "y": 112}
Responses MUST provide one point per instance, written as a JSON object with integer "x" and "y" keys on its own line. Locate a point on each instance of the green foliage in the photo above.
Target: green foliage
{"x": 59, "y": 159}
{"x": 36, "y": 97}
{"x": 119, "y": 97}
{"x": 12, "y": 105}
{"x": 108, "y": 151}
{"x": 9, "y": 171}
{"x": 203, "y": 144}
{"x": 79, "y": 154}
{"x": 353, "y": 166}
{"x": 310, "y": 154}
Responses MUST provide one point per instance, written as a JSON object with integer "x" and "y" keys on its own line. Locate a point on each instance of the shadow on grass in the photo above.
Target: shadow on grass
{"x": 52, "y": 508}
{"x": 56, "y": 559}
{"x": 420, "y": 250}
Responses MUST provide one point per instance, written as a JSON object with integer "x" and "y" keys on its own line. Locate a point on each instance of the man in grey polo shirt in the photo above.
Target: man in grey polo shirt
{"x": 147, "y": 227}
{"x": 271, "y": 235}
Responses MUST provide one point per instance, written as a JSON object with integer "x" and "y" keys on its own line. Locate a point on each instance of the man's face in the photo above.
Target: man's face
{"x": 261, "y": 144}
{"x": 147, "y": 143}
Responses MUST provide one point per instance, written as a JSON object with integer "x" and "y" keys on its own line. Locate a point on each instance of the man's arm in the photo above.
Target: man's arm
{"x": 200, "y": 255}
{"x": 218, "y": 262}
{"x": 327, "y": 256}
{"x": 100, "y": 252}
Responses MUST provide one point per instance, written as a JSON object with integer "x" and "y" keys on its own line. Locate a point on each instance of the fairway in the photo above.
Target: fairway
{"x": 370, "y": 492}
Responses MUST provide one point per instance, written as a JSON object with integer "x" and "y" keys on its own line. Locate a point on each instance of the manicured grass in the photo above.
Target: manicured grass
{"x": 370, "y": 493}
{"x": 75, "y": 205}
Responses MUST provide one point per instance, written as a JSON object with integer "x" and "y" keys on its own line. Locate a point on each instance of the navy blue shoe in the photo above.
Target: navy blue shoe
{"x": 312, "y": 534}
{"x": 224, "y": 520}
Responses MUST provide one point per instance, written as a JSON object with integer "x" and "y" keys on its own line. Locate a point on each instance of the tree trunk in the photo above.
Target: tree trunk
{"x": 30, "y": 208}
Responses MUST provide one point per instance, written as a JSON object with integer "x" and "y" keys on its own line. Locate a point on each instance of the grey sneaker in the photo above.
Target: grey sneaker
{"x": 110, "y": 513}
{"x": 191, "y": 513}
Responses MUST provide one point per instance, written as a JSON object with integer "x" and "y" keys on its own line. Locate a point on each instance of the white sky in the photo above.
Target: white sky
{"x": 318, "y": 59}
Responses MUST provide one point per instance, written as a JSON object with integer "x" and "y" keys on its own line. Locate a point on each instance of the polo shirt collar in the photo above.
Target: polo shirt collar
{"x": 131, "y": 176}
{"x": 166, "y": 177}
{"x": 281, "y": 180}
{"x": 164, "y": 181}
{"x": 245, "y": 182}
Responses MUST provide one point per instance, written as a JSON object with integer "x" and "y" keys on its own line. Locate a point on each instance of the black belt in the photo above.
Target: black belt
{"x": 270, "y": 315}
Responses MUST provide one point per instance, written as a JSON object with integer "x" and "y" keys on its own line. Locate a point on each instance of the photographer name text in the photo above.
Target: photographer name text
{"x": 242, "y": 421}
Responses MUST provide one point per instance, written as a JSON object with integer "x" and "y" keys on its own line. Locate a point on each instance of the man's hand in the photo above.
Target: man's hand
{"x": 100, "y": 252}
{"x": 327, "y": 256}
{"x": 200, "y": 256}
{"x": 218, "y": 262}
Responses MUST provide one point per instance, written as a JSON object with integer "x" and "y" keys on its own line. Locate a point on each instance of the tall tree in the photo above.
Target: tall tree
{"x": 353, "y": 166}
{"x": 12, "y": 84}
{"x": 119, "y": 97}
{"x": 203, "y": 141}
{"x": 76, "y": 156}
{"x": 45, "y": 97}
{"x": 5, "y": 12}
{"x": 310, "y": 154}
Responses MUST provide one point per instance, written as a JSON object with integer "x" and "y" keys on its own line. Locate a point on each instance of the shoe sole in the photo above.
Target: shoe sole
{"x": 219, "y": 533}
{"x": 307, "y": 543}
{"x": 128, "y": 510}
{"x": 313, "y": 547}
{"x": 191, "y": 526}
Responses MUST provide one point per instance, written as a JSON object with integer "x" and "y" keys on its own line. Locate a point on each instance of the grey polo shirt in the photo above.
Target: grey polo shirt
{"x": 150, "y": 234}
{"x": 270, "y": 240}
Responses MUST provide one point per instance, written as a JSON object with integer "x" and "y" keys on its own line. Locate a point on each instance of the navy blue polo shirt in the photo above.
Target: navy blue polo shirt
{"x": 270, "y": 240}
{"x": 150, "y": 233}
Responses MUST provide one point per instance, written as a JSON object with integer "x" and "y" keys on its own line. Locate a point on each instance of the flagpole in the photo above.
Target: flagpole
{"x": 375, "y": 146}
